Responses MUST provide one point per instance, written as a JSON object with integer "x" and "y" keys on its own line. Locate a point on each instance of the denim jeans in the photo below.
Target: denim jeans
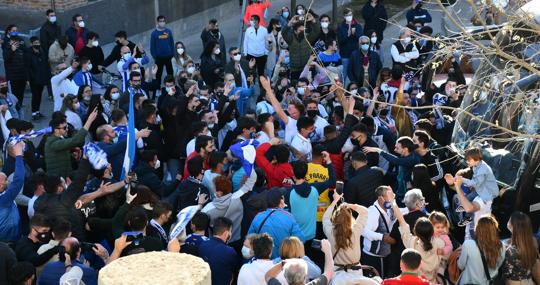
{"x": 173, "y": 165}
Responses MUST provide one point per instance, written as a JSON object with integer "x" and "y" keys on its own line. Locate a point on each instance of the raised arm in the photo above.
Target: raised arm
{"x": 273, "y": 100}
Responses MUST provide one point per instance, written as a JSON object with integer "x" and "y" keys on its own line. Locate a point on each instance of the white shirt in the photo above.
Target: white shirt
{"x": 290, "y": 130}
{"x": 31, "y": 202}
{"x": 264, "y": 107}
{"x": 74, "y": 119}
{"x": 320, "y": 123}
{"x": 253, "y": 273}
{"x": 322, "y": 111}
{"x": 61, "y": 85}
{"x": 303, "y": 145}
{"x": 372, "y": 224}
{"x": 406, "y": 56}
{"x": 263, "y": 137}
{"x": 255, "y": 41}
{"x": 485, "y": 209}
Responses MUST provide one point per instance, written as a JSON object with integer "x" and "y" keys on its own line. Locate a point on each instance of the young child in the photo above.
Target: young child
{"x": 483, "y": 181}
{"x": 441, "y": 228}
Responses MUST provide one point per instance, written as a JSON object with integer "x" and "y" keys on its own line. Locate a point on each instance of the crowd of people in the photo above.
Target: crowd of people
{"x": 299, "y": 157}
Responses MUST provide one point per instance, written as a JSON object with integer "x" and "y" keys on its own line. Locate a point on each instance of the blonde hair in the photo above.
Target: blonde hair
{"x": 439, "y": 218}
{"x": 291, "y": 247}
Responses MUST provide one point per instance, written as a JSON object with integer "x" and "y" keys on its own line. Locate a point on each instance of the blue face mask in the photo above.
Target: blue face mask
{"x": 285, "y": 14}
{"x": 287, "y": 60}
{"x": 251, "y": 135}
{"x": 387, "y": 205}
{"x": 14, "y": 34}
{"x": 365, "y": 47}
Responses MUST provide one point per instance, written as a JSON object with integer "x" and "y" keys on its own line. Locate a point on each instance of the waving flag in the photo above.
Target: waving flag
{"x": 96, "y": 156}
{"x": 31, "y": 135}
{"x": 245, "y": 151}
{"x": 182, "y": 220}
{"x": 129, "y": 156}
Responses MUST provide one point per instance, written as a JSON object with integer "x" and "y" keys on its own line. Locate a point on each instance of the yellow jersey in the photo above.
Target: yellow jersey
{"x": 319, "y": 173}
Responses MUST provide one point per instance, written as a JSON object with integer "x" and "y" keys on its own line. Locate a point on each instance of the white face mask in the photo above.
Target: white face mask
{"x": 76, "y": 106}
{"x": 126, "y": 56}
{"x": 407, "y": 40}
{"x": 161, "y": 24}
{"x": 169, "y": 90}
{"x": 237, "y": 57}
{"x": 137, "y": 70}
{"x": 81, "y": 24}
{"x": 300, "y": 11}
{"x": 180, "y": 51}
{"x": 52, "y": 19}
{"x": 252, "y": 23}
{"x": 354, "y": 91}
{"x": 115, "y": 96}
{"x": 246, "y": 252}
{"x": 373, "y": 40}
{"x": 348, "y": 19}
{"x": 157, "y": 165}
{"x": 158, "y": 119}
{"x": 217, "y": 51}
{"x": 95, "y": 43}
{"x": 190, "y": 69}
{"x": 301, "y": 90}
{"x": 89, "y": 67}
{"x": 325, "y": 25}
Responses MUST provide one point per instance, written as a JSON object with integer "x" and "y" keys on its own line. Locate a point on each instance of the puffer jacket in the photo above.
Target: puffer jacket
{"x": 15, "y": 64}
{"x": 9, "y": 214}
{"x": 63, "y": 205}
{"x": 299, "y": 48}
{"x": 38, "y": 68}
{"x": 230, "y": 206}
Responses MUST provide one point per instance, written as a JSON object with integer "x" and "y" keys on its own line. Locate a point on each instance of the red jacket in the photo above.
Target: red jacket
{"x": 277, "y": 175}
{"x": 190, "y": 156}
{"x": 406, "y": 279}
{"x": 256, "y": 9}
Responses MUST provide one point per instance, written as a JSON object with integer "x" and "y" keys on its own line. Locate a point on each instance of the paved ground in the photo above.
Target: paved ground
{"x": 230, "y": 26}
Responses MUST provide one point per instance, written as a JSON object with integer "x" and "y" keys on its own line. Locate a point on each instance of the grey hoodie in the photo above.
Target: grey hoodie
{"x": 230, "y": 206}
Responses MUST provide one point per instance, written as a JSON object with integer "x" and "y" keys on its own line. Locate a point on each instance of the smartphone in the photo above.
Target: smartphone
{"x": 339, "y": 187}
{"x": 197, "y": 66}
{"x": 316, "y": 244}
{"x": 87, "y": 246}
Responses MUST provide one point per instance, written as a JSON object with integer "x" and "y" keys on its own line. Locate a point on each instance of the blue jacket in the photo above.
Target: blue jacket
{"x": 405, "y": 167}
{"x": 71, "y": 33}
{"x": 222, "y": 259}
{"x": 418, "y": 15}
{"x": 9, "y": 214}
{"x": 280, "y": 225}
{"x": 54, "y": 270}
{"x": 115, "y": 154}
{"x": 348, "y": 44}
{"x": 162, "y": 43}
{"x": 81, "y": 78}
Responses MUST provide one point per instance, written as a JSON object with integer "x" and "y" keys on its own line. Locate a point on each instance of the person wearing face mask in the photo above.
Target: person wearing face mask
{"x": 147, "y": 174}
{"x": 312, "y": 107}
{"x": 254, "y": 271}
{"x": 374, "y": 42}
{"x": 27, "y": 246}
{"x": 222, "y": 258}
{"x": 152, "y": 121}
{"x": 404, "y": 52}
{"x": 180, "y": 58}
{"x": 284, "y": 16}
{"x": 124, "y": 65}
{"x": 211, "y": 33}
{"x": 255, "y": 44}
{"x": 121, "y": 40}
{"x": 240, "y": 67}
{"x": 77, "y": 33}
{"x": 327, "y": 33}
{"x": 60, "y": 54}
{"x": 256, "y": 7}
{"x": 39, "y": 74}
{"x": 162, "y": 47}
{"x": 298, "y": 38}
{"x": 93, "y": 51}
{"x": 212, "y": 66}
{"x": 417, "y": 13}
{"x": 377, "y": 240}
{"x": 9, "y": 214}
{"x": 50, "y": 30}
{"x": 272, "y": 45}
{"x": 348, "y": 32}
{"x": 16, "y": 68}
{"x": 375, "y": 16}
{"x": 84, "y": 76}
{"x": 364, "y": 65}
{"x": 300, "y": 10}
{"x": 70, "y": 108}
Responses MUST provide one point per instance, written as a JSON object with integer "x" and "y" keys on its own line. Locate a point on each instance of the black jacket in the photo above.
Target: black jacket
{"x": 49, "y": 33}
{"x": 63, "y": 205}
{"x": 14, "y": 62}
{"x": 375, "y": 18}
{"x": 26, "y": 250}
{"x": 95, "y": 54}
{"x": 155, "y": 139}
{"x": 356, "y": 67}
{"x": 7, "y": 260}
{"x": 360, "y": 189}
{"x": 209, "y": 65}
{"x": 115, "y": 55}
{"x": 186, "y": 194}
{"x": 147, "y": 176}
{"x": 37, "y": 66}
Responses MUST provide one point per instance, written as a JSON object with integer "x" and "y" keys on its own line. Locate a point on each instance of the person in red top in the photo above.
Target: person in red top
{"x": 204, "y": 145}
{"x": 279, "y": 172}
{"x": 256, "y": 8}
{"x": 410, "y": 263}
{"x": 77, "y": 33}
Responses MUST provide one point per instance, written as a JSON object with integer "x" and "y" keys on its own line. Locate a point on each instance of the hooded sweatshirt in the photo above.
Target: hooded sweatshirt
{"x": 230, "y": 206}
{"x": 302, "y": 200}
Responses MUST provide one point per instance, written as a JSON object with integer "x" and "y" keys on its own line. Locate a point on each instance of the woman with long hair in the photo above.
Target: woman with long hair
{"x": 84, "y": 95}
{"x": 101, "y": 119}
{"x": 110, "y": 99}
{"x": 180, "y": 58}
{"x": 521, "y": 252}
{"x": 70, "y": 108}
{"x": 422, "y": 180}
{"x": 212, "y": 66}
{"x": 487, "y": 246}
{"x": 343, "y": 232}
{"x": 423, "y": 241}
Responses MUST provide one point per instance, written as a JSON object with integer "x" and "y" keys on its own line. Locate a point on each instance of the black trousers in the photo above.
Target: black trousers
{"x": 37, "y": 91}
{"x": 160, "y": 62}
{"x": 17, "y": 88}
{"x": 260, "y": 63}
{"x": 379, "y": 263}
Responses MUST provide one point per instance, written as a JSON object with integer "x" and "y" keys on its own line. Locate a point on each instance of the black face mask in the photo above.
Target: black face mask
{"x": 278, "y": 29}
{"x": 355, "y": 142}
{"x": 383, "y": 112}
{"x": 418, "y": 7}
{"x": 3, "y": 90}
{"x": 183, "y": 80}
{"x": 44, "y": 237}
{"x": 312, "y": 113}
{"x": 283, "y": 74}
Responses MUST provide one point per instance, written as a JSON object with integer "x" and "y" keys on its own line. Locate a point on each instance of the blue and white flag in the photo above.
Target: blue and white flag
{"x": 96, "y": 156}
{"x": 245, "y": 151}
{"x": 129, "y": 156}
{"x": 182, "y": 219}
{"x": 121, "y": 131}
{"x": 31, "y": 135}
